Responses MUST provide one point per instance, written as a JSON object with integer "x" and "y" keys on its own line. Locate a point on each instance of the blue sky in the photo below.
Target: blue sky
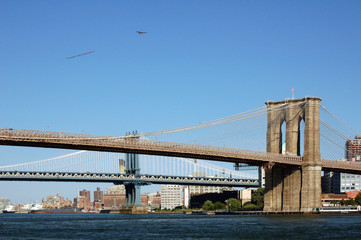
{"x": 200, "y": 60}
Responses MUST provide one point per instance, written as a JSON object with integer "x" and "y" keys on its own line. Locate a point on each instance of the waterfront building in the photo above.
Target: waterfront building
{"x": 170, "y": 196}
{"x": 326, "y": 199}
{"x": 245, "y": 195}
{"x": 56, "y": 201}
{"x": 85, "y": 194}
{"x": 348, "y": 182}
{"x": 154, "y": 200}
{"x": 344, "y": 182}
{"x": 98, "y": 196}
{"x": 198, "y": 189}
{"x": 335, "y": 182}
{"x": 115, "y": 200}
{"x": 3, "y": 203}
{"x": 83, "y": 200}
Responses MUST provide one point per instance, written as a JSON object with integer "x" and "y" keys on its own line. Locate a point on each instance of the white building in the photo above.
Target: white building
{"x": 3, "y": 203}
{"x": 170, "y": 196}
{"x": 245, "y": 195}
{"x": 117, "y": 189}
{"x": 186, "y": 196}
{"x": 195, "y": 190}
{"x": 345, "y": 182}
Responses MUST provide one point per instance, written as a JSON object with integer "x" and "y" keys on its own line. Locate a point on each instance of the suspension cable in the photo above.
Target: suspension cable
{"x": 340, "y": 120}
{"x": 46, "y": 160}
{"x": 334, "y": 142}
{"x": 241, "y": 116}
{"x": 334, "y": 130}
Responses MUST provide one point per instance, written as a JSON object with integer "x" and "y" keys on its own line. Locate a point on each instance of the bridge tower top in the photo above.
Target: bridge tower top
{"x": 292, "y": 112}
{"x": 290, "y": 101}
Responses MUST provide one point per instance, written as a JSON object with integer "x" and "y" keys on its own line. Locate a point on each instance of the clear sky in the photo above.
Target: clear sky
{"x": 198, "y": 61}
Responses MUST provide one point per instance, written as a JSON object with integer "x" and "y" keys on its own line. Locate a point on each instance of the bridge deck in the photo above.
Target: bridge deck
{"x": 124, "y": 178}
{"x": 63, "y": 140}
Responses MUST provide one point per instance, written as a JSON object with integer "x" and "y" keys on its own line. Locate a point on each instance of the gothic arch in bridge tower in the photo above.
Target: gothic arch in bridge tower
{"x": 293, "y": 189}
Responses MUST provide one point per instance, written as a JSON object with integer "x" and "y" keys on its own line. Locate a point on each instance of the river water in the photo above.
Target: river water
{"x": 178, "y": 226}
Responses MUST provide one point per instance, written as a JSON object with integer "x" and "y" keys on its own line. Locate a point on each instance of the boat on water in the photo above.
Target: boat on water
{"x": 57, "y": 210}
{"x": 339, "y": 209}
{"x": 9, "y": 209}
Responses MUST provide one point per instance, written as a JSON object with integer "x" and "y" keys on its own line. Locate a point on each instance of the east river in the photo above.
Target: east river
{"x": 178, "y": 226}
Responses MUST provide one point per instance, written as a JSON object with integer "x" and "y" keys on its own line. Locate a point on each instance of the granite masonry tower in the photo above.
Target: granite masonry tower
{"x": 289, "y": 188}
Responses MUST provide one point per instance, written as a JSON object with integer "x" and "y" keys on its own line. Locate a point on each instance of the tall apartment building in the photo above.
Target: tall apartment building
{"x": 85, "y": 194}
{"x": 98, "y": 195}
{"x": 353, "y": 149}
{"x": 170, "y": 196}
{"x": 83, "y": 200}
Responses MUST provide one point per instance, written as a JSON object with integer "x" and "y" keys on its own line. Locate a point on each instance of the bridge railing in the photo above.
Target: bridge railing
{"x": 129, "y": 142}
{"x": 341, "y": 163}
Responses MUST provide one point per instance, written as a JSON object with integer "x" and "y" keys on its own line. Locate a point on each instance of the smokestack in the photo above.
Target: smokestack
{"x": 121, "y": 166}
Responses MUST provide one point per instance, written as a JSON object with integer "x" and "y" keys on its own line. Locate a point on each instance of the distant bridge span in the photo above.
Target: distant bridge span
{"x": 46, "y": 139}
{"x": 116, "y": 178}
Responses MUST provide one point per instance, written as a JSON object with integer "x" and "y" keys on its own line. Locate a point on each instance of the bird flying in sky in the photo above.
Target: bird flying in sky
{"x": 80, "y": 55}
{"x": 140, "y": 33}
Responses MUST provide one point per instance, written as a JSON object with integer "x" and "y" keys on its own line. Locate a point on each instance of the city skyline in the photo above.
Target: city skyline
{"x": 197, "y": 62}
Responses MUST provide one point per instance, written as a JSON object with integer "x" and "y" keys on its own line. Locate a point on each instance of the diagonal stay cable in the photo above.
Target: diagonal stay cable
{"x": 340, "y": 120}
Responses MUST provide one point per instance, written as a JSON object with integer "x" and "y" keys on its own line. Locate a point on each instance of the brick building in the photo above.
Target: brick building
{"x": 353, "y": 149}
{"x": 154, "y": 200}
{"x": 98, "y": 196}
{"x": 86, "y": 194}
{"x": 118, "y": 200}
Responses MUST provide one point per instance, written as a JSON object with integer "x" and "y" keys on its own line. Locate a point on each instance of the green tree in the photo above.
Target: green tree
{"x": 358, "y": 199}
{"x": 233, "y": 204}
{"x": 350, "y": 202}
{"x": 343, "y": 202}
{"x": 208, "y": 206}
{"x": 334, "y": 202}
{"x": 257, "y": 197}
{"x": 251, "y": 206}
{"x": 219, "y": 205}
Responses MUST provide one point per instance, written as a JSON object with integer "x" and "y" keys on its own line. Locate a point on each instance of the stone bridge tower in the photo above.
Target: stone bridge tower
{"x": 289, "y": 188}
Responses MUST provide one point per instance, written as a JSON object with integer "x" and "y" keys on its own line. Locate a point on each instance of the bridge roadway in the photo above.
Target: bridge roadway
{"x": 34, "y": 138}
{"x": 123, "y": 178}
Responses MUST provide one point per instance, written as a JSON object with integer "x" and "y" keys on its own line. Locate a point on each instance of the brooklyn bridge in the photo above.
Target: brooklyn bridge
{"x": 295, "y": 142}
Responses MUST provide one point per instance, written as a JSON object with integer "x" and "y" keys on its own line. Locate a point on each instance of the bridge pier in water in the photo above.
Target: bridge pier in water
{"x": 133, "y": 203}
{"x": 288, "y": 188}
